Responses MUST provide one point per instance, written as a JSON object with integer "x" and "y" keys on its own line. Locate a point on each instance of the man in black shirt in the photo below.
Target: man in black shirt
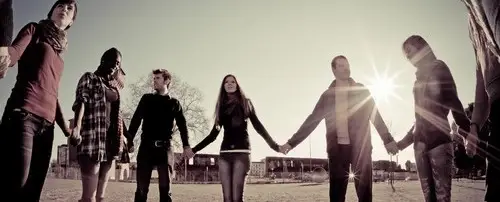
{"x": 157, "y": 111}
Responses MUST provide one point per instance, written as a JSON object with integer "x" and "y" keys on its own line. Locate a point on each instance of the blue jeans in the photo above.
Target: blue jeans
{"x": 27, "y": 142}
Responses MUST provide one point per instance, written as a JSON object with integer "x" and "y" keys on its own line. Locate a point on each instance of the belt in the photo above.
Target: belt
{"x": 158, "y": 143}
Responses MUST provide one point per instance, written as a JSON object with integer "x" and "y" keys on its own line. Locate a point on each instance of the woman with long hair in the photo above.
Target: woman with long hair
{"x": 99, "y": 131}
{"x": 33, "y": 107}
{"x": 232, "y": 111}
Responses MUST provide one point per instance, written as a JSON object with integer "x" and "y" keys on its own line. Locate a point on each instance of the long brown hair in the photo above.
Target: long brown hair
{"x": 223, "y": 98}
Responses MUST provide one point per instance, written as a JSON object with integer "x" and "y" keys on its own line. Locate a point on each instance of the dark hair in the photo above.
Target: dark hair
{"x": 415, "y": 40}
{"x": 334, "y": 61}
{"x": 223, "y": 97}
{"x": 110, "y": 54}
{"x": 166, "y": 75}
{"x": 59, "y": 2}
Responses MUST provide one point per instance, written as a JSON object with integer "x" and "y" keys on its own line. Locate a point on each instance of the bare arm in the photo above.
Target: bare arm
{"x": 61, "y": 121}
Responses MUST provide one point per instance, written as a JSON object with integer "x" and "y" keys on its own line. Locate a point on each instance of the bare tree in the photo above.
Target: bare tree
{"x": 190, "y": 99}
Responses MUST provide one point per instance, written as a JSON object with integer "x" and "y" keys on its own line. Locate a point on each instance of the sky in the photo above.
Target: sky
{"x": 280, "y": 52}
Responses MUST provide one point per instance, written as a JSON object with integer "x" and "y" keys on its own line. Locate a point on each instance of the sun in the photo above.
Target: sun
{"x": 382, "y": 87}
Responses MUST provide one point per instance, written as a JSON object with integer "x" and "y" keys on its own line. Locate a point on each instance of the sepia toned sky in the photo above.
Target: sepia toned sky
{"x": 279, "y": 50}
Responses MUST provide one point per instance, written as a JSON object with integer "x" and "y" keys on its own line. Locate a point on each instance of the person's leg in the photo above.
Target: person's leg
{"x": 493, "y": 155}
{"x": 241, "y": 167}
{"x": 362, "y": 170}
{"x": 225, "y": 175}
{"x": 19, "y": 130}
{"x": 143, "y": 176}
{"x": 104, "y": 172}
{"x": 165, "y": 170}
{"x": 441, "y": 159}
{"x": 40, "y": 162}
{"x": 90, "y": 178}
{"x": 338, "y": 171}
{"x": 424, "y": 171}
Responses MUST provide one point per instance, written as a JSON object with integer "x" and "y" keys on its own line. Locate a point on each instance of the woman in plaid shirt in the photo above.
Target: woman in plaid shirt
{"x": 99, "y": 131}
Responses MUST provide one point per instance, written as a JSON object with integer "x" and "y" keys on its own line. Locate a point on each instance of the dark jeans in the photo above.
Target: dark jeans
{"x": 493, "y": 150}
{"x": 149, "y": 157}
{"x": 233, "y": 170}
{"x": 339, "y": 164}
{"x": 435, "y": 170}
{"x": 27, "y": 142}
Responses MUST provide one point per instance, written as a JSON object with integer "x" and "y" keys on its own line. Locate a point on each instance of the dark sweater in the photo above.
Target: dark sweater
{"x": 235, "y": 131}
{"x": 435, "y": 95}
{"x": 365, "y": 111}
{"x": 40, "y": 70}
{"x": 6, "y": 22}
{"x": 157, "y": 113}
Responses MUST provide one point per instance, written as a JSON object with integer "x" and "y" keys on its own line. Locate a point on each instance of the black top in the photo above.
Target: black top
{"x": 6, "y": 22}
{"x": 234, "y": 122}
{"x": 157, "y": 113}
{"x": 435, "y": 96}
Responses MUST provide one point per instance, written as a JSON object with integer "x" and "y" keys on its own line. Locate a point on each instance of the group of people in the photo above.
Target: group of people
{"x": 347, "y": 107}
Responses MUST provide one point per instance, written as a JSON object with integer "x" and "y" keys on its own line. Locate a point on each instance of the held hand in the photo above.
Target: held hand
{"x": 188, "y": 153}
{"x": 75, "y": 139}
{"x": 471, "y": 142}
{"x": 285, "y": 148}
{"x": 392, "y": 148}
{"x": 67, "y": 132}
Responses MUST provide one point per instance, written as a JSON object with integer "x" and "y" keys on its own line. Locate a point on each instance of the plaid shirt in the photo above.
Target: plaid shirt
{"x": 90, "y": 91}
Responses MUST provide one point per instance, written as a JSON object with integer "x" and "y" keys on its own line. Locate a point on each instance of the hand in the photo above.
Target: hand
{"x": 285, "y": 148}
{"x": 471, "y": 142}
{"x": 188, "y": 153}
{"x": 75, "y": 139}
{"x": 67, "y": 132}
{"x": 392, "y": 148}
{"x": 4, "y": 60}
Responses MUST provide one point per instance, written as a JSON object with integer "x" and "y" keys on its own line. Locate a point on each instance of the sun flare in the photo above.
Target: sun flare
{"x": 383, "y": 87}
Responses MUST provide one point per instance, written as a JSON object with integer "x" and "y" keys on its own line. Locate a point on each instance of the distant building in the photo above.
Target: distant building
{"x": 258, "y": 169}
{"x": 293, "y": 164}
{"x": 72, "y": 157}
{"x": 62, "y": 155}
{"x": 413, "y": 167}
